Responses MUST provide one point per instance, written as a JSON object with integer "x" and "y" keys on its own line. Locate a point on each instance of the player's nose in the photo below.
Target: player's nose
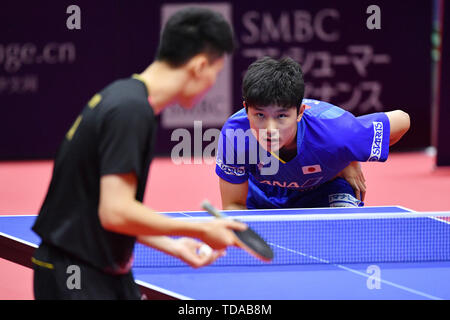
{"x": 271, "y": 127}
{"x": 272, "y": 130}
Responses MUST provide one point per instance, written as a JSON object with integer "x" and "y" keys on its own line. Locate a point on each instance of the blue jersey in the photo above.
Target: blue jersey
{"x": 328, "y": 139}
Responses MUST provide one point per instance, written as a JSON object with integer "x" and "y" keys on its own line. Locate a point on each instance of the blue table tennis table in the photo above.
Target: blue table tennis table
{"x": 348, "y": 261}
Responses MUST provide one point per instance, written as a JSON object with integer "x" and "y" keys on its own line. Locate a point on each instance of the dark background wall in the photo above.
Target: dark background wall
{"x": 48, "y": 72}
{"x": 442, "y": 114}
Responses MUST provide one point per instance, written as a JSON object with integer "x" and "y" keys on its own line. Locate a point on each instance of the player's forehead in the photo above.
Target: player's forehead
{"x": 273, "y": 108}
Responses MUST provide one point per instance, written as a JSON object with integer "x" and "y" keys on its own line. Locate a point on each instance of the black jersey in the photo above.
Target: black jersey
{"x": 113, "y": 134}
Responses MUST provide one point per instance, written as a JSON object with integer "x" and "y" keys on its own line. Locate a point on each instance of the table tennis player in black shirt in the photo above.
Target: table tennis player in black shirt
{"x": 93, "y": 213}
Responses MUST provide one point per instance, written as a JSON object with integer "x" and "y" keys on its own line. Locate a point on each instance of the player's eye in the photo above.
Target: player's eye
{"x": 259, "y": 115}
{"x": 282, "y": 116}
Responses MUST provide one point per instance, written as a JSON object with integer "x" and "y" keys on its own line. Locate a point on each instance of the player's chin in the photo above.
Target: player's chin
{"x": 270, "y": 146}
{"x": 192, "y": 100}
{"x": 274, "y": 149}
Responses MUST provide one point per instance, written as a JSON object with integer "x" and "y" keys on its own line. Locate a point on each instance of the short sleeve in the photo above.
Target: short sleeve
{"x": 367, "y": 137}
{"x": 227, "y": 164}
{"x": 124, "y": 140}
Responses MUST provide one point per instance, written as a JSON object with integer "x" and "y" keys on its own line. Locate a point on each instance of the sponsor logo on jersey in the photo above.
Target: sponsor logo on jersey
{"x": 343, "y": 200}
{"x": 234, "y": 171}
{"x": 375, "y": 152}
{"x": 283, "y": 184}
{"x": 307, "y": 185}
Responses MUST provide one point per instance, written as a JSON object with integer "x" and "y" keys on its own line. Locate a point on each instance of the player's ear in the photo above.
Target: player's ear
{"x": 197, "y": 64}
{"x": 245, "y": 106}
{"x": 300, "y": 112}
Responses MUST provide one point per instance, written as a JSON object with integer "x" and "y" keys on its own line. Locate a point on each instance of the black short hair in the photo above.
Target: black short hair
{"x": 191, "y": 31}
{"x": 273, "y": 82}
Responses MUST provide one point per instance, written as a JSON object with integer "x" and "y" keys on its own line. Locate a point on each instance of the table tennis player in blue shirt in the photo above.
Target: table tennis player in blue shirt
{"x": 284, "y": 151}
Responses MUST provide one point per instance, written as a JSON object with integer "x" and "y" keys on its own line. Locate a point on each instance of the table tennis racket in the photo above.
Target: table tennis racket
{"x": 248, "y": 239}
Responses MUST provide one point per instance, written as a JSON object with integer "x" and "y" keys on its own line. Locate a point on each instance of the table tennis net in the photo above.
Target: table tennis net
{"x": 334, "y": 239}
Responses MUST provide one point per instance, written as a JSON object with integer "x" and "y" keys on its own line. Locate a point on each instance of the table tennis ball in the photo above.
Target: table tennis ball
{"x": 205, "y": 250}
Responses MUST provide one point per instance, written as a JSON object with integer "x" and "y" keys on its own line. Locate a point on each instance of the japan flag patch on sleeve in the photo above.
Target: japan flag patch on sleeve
{"x": 311, "y": 169}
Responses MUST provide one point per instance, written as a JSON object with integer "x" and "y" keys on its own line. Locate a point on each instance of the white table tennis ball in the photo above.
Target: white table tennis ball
{"x": 205, "y": 250}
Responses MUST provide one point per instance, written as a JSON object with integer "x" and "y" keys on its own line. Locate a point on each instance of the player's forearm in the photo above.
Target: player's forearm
{"x": 235, "y": 206}
{"x": 161, "y": 243}
{"x": 133, "y": 218}
{"x": 234, "y": 195}
{"x": 399, "y": 125}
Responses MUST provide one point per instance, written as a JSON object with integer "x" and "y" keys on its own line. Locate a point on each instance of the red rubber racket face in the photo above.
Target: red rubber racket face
{"x": 254, "y": 244}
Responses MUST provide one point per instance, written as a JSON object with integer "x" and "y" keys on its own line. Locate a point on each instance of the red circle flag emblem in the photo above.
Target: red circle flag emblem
{"x": 311, "y": 169}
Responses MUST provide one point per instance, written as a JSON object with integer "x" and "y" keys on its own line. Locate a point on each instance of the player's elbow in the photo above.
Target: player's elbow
{"x": 400, "y": 123}
{"x": 111, "y": 215}
{"x": 404, "y": 121}
{"x": 117, "y": 194}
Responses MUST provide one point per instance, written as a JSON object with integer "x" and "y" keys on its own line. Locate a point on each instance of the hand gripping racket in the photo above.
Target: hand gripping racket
{"x": 248, "y": 239}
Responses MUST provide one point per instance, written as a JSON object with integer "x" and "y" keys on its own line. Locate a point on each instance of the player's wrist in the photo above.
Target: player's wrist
{"x": 197, "y": 230}
{"x": 204, "y": 230}
{"x": 175, "y": 248}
